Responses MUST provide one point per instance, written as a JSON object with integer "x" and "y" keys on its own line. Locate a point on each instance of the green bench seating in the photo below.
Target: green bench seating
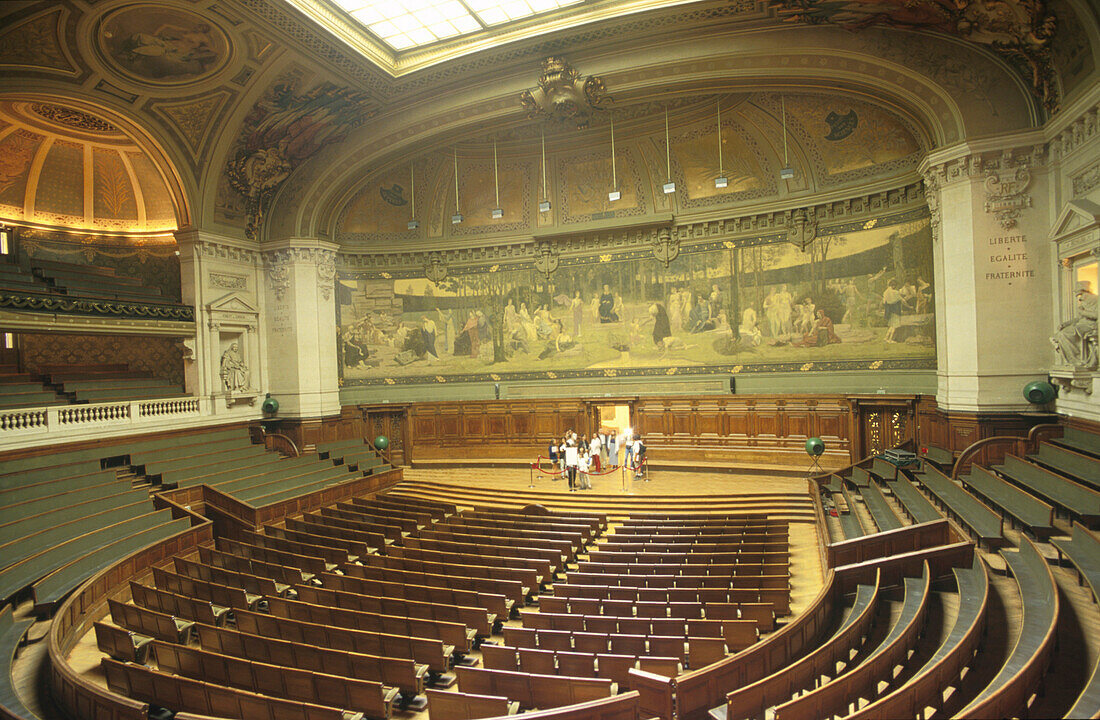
{"x": 849, "y": 521}
{"x": 1039, "y": 595}
{"x": 913, "y": 501}
{"x": 123, "y": 393}
{"x": 859, "y": 476}
{"x": 35, "y": 506}
{"x": 938, "y": 456}
{"x": 12, "y": 632}
{"x": 66, "y": 520}
{"x": 1082, "y": 468}
{"x": 39, "y": 488}
{"x": 881, "y": 512}
{"x": 1083, "y": 550}
{"x": 282, "y": 470}
{"x": 198, "y": 456}
{"x": 1078, "y": 500}
{"x": 267, "y": 495}
{"x": 834, "y": 484}
{"x": 883, "y": 470}
{"x": 215, "y": 475}
{"x": 55, "y": 586}
{"x": 17, "y": 576}
{"x": 1080, "y": 440}
{"x": 1031, "y": 512}
{"x": 987, "y": 525}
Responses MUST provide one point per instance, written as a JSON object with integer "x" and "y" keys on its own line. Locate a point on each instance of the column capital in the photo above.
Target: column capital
{"x": 194, "y": 242}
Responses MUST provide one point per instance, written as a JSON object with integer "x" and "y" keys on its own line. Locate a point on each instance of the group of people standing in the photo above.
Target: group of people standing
{"x": 578, "y": 456}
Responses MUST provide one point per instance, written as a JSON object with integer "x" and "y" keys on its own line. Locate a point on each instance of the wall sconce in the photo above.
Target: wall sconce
{"x": 669, "y": 187}
{"x": 721, "y": 181}
{"x": 544, "y": 204}
{"x": 497, "y": 212}
{"x": 786, "y": 172}
{"x": 614, "y": 194}
{"x": 457, "y": 217}
{"x": 413, "y": 222}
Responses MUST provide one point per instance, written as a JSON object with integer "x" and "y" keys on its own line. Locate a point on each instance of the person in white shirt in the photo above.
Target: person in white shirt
{"x": 628, "y": 451}
{"x": 585, "y": 465}
{"x": 613, "y": 450}
{"x": 638, "y": 451}
{"x": 594, "y": 447}
{"x": 572, "y": 460}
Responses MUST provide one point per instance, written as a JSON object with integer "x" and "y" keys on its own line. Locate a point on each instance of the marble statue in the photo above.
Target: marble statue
{"x": 1075, "y": 341}
{"x": 233, "y": 370}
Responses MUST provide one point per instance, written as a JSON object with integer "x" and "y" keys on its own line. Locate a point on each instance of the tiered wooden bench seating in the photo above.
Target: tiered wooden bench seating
{"x": 122, "y": 644}
{"x": 511, "y": 590}
{"x": 271, "y": 556}
{"x": 926, "y": 687}
{"x": 554, "y": 558}
{"x": 754, "y": 698}
{"x": 208, "y": 699}
{"x": 1079, "y": 440}
{"x": 913, "y": 501}
{"x": 986, "y": 525}
{"x": 402, "y": 673}
{"x": 95, "y": 281}
{"x": 255, "y": 585}
{"x": 356, "y": 520}
{"x": 361, "y": 508}
{"x": 1021, "y": 676}
{"x": 163, "y": 626}
{"x": 850, "y": 523}
{"x": 12, "y": 633}
{"x": 1082, "y": 468}
{"x": 355, "y": 453}
{"x": 521, "y": 582}
{"x": 468, "y": 706}
{"x": 1030, "y": 512}
{"x": 372, "y": 699}
{"x": 941, "y": 458}
{"x": 779, "y": 599}
{"x": 220, "y": 595}
{"x": 1074, "y": 499}
{"x": 1083, "y": 550}
{"x": 424, "y": 651}
{"x": 883, "y": 470}
{"x": 23, "y": 390}
{"x": 532, "y": 691}
{"x": 738, "y": 633}
{"x": 577, "y": 664}
{"x": 400, "y": 505}
{"x": 839, "y": 694}
{"x": 175, "y": 605}
{"x": 478, "y": 620}
{"x": 496, "y": 606}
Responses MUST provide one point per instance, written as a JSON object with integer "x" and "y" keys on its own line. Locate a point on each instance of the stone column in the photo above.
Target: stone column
{"x": 301, "y": 326}
{"x": 993, "y": 280}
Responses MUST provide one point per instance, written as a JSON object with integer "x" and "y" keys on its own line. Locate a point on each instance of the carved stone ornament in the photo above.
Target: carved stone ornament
{"x": 803, "y": 229}
{"x": 546, "y": 258}
{"x": 563, "y": 96}
{"x": 666, "y": 247}
{"x": 187, "y": 349}
{"x": 278, "y": 276}
{"x": 434, "y": 269}
{"x": 326, "y": 274}
{"x": 234, "y": 371}
{"x": 1006, "y": 192}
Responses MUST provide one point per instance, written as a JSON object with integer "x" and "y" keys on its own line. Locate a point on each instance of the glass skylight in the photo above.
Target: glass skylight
{"x": 404, "y": 24}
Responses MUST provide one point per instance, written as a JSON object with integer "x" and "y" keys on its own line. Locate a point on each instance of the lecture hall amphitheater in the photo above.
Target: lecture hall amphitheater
{"x": 303, "y": 302}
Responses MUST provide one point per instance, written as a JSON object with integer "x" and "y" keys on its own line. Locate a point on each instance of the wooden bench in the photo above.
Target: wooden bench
{"x": 497, "y": 607}
{"x": 374, "y": 538}
{"x": 254, "y": 585}
{"x": 282, "y": 575}
{"x": 12, "y": 634}
{"x": 372, "y": 699}
{"x": 575, "y": 664}
{"x": 880, "y": 510}
{"x": 532, "y": 691}
{"x": 476, "y": 619}
{"x": 781, "y": 581}
{"x": 840, "y": 693}
{"x": 986, "y": 525}
{"x": 525, "y": 569}
{"x": 1076, "y": 500}
{"x": 913, "y": 501}
{"x": 163, "y": 626}
{"x": 1082, "y": 468}
{"x": 456, "y": 637}
{"x": 512, "y": 591}
{"x": 181, "y": 606}
{"x": 859, "y": 476}
{"x": 523, "y": 582}
{"x": 1080, "y": 441}
{"x": 214, "y": 593}
{"x": 424, "y": 651}
{"x": 431, "y": 511}
{"x": 401, "y": 673}
{"x": 1030, "y": 512}
{"x": 271, "y": 556}
{"x": 298, "y": 543}
{"x": 468, "y": 706}
{"x": 122, "y": 644}
{"x": 1021, "y": 675}
{"x": 940, "y": 457}
{"x": 753, "y": 699}
{"x": 778, "y": 599}
{"x": 554, "y": 557}
{"x": 925, "y": 687}
{"x": 361, "y": 520}
{"x": 1083, "y": 550}
{"x": 207, "y": 699}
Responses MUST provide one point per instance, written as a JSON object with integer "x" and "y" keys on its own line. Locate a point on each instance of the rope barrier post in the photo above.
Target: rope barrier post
{"x": 531, "y": 478}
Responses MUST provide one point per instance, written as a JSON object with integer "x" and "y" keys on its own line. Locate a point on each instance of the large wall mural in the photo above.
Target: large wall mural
{"x": 859, "y": 297}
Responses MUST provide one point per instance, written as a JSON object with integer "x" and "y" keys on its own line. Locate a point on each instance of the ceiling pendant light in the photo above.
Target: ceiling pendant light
{"x": 669, "y": 187}
{"x": 721, "y": 181}
{"x": 614, "y": 194}
{"x": 544, "y": 204}
{"x": 457, "y": 217}
{"x": 413, "y": 222}
{"x": 786, "y": 172}
{"x": 497, "y": 212}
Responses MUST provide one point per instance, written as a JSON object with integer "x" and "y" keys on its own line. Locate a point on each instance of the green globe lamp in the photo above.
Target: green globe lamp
{"x": 1039, "y": 392}
{"x": 815, "y": 447}
{"x": 381, "y": 443}
{"x": 270, "y": 405}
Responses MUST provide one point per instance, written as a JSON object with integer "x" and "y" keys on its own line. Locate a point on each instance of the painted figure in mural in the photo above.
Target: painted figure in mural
{"x": 892, "y": 303}
{"x": 675, "y": 319}
{"x": 577, "y": 306}
{"x": 429, "y": 330}
{"x": 170, "y": 51}
{"x": 924, "y": 294}
{"x": 820, "y": 334}
{"x": 607, "y": 306}
{"x": 233, "y": 370}
{"x": 699, "y": 319}
{"x": 804, "y": 316}
{"x": 1075, "y": 340}
{"x": 749, "y": 330}
{"x": 852, "y": 299}
{"x": 354, "y": 347}
{"x": 783, "y": 307}
{"x": 468, "y": 341}
{"x": 511, "y": 319}
{"x": 661, "y": 328}
{"x": 714, "y": 301}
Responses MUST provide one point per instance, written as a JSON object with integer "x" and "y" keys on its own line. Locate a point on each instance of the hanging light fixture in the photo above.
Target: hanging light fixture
{"x": 497, "y": 212}
{"x": 413, "y": 222}
{"x": 614, "y": 194}
{"x": 721, "y": 181}
{"x": 457, "y": 217}
{"x": 544, "y": 204}
{"x": 669, "y": 187}
{"x": 786, "y": 172}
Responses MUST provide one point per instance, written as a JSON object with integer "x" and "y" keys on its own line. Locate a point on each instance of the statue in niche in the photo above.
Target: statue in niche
{"x": 1075, "y": 341}
{"x": 233, "y": 370}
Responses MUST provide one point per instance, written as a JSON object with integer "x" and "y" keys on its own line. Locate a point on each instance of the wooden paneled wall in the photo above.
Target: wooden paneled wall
{"x": 491, "y": 428}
